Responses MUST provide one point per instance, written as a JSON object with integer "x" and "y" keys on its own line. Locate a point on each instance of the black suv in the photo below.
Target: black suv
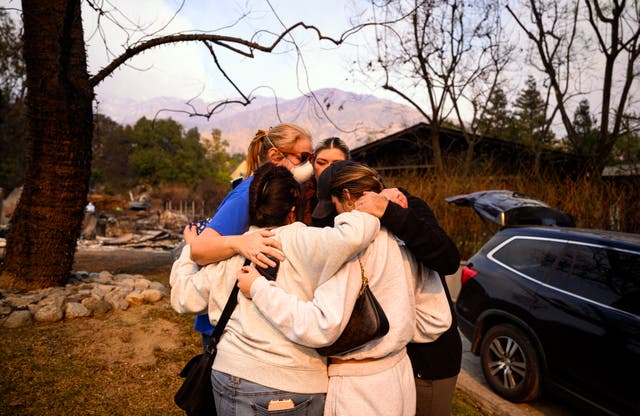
{"x": 556, "y": 307}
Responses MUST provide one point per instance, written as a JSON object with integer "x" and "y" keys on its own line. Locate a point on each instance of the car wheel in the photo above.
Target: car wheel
{"x": 510, "y": 363}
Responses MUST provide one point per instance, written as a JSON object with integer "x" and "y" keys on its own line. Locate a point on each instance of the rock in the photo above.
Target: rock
{"x": 49, "y": 313}
{"x": 135, "y": 298}
{"x": 104, "y": 277}
{"x": 88, "y": 294}
{"x": 158, "y": 286}
{"x": 97, "y": 293}
{"x": 128, "y": 282}
{"x": 17, "y": 319}
{"x": 57, "y": 299}
{"x": 18, "y": 301}
{"x": 152, "y": 295}
{"x": 106, "y": 288}
{"x": 142, "y": 284}
{"x": 117, "y": 298}
{"x": 124, "y": 276}
{"x": 75, "y": 310}
{"x": 5, "y": 310}
{"x": 96, "y": 306}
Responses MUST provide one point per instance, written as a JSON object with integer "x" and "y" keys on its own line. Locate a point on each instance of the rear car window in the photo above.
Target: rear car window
{"x": 607, "y": 276}
{"x": 532, "y": 257}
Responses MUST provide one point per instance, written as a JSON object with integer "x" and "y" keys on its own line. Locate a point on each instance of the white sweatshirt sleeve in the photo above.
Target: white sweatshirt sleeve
{"x": 322, "y": 251}
{"x": 433, "y": 316}
{"x": 189, "y": 285}
{"x": 196, "y": 290}
{"x": 315, "y": 323}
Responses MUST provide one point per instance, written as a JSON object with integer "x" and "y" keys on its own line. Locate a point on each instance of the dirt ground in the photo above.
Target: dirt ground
{"x": 120, "y": 363}
{"x": 121, "y": 260}
{"x": 143, "y": 340}
{"x": 140, "y": 344}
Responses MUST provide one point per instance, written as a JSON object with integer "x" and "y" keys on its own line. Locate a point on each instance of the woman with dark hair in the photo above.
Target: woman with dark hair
{"x": 255, "y": 363}
{"x": 328, "y": 151}
{"x": 377, "y": 378}
{"x": 286, "y": 145}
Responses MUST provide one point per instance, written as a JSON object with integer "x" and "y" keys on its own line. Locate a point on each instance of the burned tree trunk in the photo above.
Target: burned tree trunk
{"x": 45, "y": 225}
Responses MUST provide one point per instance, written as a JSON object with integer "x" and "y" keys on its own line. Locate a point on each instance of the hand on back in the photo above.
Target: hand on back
{"x": 376, "y": 203}
{"x": 255, "y": 246}
{"x": 246, "y": 277}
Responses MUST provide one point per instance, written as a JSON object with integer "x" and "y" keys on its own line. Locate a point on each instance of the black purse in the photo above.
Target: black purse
{"x": 367, "y": 323}
{"x": 195, "y": 396}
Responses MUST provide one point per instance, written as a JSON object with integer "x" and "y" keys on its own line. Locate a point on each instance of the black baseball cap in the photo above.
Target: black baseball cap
{"x": 325, "y": 210}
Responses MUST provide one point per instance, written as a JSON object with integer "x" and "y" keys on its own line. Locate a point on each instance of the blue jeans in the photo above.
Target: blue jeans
{"x": 238, "y": 397}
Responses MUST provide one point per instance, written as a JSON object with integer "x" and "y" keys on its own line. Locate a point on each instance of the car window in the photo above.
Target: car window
{"x": 588, "y": 273}
{"x": 607, "y": 276}
{"x": 535, "y": 258}
{"x": 626, "y": 280}
{"x": 601, "y": 274}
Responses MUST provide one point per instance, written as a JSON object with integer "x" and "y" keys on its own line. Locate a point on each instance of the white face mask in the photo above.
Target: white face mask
{"x": 303, "y": 172}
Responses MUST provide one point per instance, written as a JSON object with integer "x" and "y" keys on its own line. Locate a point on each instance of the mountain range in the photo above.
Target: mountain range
{"x": 356, "y": 118}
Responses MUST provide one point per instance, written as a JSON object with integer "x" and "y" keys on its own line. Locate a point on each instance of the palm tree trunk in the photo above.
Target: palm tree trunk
{"x": 46, "y": 223}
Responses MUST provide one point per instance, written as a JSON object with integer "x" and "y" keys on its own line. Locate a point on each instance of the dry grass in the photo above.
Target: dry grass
{"x": 593, "y": 204}
{"x": 93, "y": 366}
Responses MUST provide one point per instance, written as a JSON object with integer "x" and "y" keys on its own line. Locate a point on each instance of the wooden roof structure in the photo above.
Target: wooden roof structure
{"x": 411, "y": 149}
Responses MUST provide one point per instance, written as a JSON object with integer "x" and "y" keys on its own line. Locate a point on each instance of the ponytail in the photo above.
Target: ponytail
{"x": 283, "y": 137}
{"x": 257, "y": 153}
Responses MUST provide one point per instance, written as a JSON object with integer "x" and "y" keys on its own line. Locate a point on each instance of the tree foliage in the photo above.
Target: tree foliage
{"x": 531, "y": 122}
{"x": 156, "y": 153}
{"x": 497, "y": 120}
{"x": 110, "y": 170}
{"x": 585, "y": 142}
{"x": 530, "y": 117}
{"x": 627, "y": 147}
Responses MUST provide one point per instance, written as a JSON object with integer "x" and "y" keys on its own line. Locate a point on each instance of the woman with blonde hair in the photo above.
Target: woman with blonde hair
{"x": 284, "y": 145}
{"x": 376, "y": 379}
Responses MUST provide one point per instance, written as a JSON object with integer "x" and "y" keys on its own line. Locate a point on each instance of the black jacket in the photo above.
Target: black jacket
{"x": 418, "y": 228}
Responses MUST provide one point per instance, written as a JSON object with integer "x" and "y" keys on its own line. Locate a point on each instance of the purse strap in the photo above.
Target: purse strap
{"x": 365, "y": 280}
{"x": 226, "y": 313}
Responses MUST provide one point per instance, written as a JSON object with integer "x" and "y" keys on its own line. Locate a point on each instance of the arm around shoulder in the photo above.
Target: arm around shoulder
{"x": 211, "y": 247}
{"x": 322, "y": 251}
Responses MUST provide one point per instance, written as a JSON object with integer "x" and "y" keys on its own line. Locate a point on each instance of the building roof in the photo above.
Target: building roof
{"x": 411, "y": 148}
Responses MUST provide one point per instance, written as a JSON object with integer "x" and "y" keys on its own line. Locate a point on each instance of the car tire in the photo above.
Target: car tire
{"x": 510, "y": 363}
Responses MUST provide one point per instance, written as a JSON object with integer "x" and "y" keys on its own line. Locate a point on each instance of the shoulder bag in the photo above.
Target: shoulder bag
{"x": 367, "y": 323}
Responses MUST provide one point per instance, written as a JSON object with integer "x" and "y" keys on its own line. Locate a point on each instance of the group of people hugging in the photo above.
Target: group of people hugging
{"x": 326, "y": 220}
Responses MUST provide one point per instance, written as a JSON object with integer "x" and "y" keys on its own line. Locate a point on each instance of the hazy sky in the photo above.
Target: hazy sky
{"x": 188, "y": 70}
